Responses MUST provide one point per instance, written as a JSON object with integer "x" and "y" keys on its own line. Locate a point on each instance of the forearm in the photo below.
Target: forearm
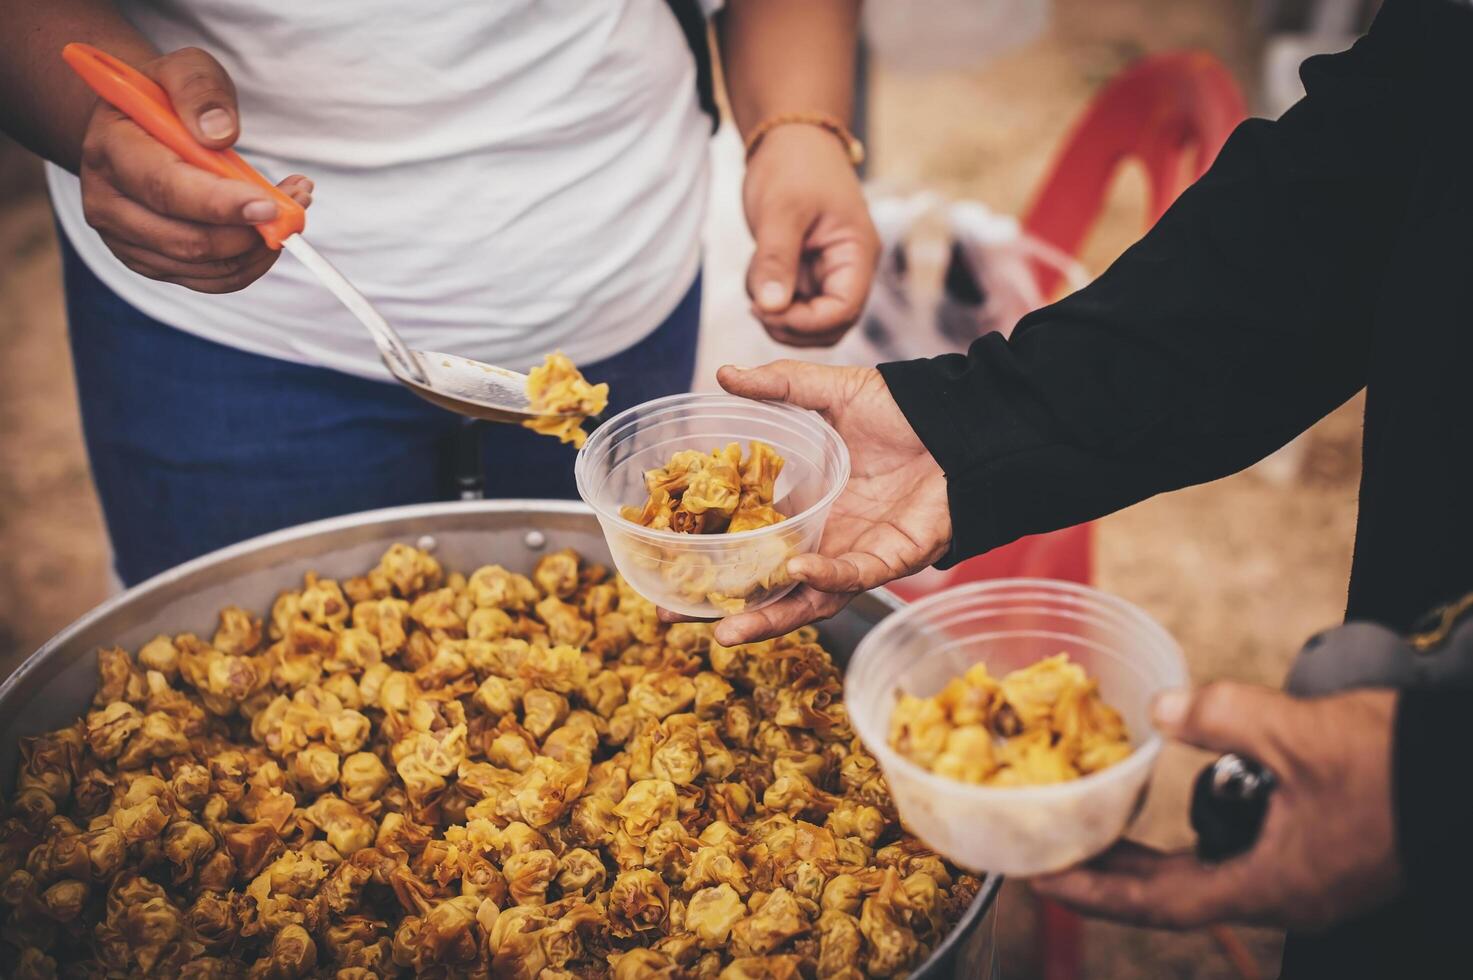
{"x": 781, "y": 56}
{"x": 46, "y": 107}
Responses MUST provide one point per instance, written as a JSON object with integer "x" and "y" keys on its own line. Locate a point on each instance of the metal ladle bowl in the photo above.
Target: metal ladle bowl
{"x": 470, "y": 388}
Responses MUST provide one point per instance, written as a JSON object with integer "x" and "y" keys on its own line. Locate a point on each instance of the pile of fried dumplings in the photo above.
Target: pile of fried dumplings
{"x": 411, "y": 772}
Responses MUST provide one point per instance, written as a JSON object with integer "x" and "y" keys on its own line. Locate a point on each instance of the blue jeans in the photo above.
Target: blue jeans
{"x": 195, "y": 445}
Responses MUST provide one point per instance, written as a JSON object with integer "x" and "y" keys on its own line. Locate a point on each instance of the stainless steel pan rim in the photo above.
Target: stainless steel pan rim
{"x": 267, "y": 542}
{"x": 539, "y": 524}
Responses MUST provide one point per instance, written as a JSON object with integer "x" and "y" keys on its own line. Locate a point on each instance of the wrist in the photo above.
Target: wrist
{"x": 796, "y": 153}
{"x": 944, "y": 542}
{"x": 804, "y": 129}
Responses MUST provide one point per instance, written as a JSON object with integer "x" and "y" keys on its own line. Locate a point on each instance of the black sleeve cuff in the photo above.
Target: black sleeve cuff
{"x": 921, "y": 392}
{"x": 1433, "y": 795}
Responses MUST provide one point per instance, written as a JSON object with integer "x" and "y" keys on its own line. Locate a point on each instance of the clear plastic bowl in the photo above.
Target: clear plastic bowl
{"x": 711, "y": 575}
{"x": 1007, "y": 624}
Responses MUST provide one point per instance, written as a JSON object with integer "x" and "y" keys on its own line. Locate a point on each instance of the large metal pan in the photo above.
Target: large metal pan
{"x": 55, "y": 683}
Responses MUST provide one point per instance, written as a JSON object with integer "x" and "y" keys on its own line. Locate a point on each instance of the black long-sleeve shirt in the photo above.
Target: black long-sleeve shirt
{"x": 1325, "y": 252}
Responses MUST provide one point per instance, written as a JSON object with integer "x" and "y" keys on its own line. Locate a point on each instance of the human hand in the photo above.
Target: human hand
{"x": 816, "y": 246}
{"x": 1327, "y": 850}
{"x": 164, "y": 218}
{"x": 891, "y": 520}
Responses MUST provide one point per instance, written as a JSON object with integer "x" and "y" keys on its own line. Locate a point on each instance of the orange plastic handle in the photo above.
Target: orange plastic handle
{"x": 141, "y": 99}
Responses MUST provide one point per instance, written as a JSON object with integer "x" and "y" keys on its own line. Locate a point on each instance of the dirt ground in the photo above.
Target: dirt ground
{"x": 1241, "y": 570}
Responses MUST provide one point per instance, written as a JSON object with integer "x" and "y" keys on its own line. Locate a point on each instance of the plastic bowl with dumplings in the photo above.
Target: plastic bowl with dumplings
{"x": 1008, "y": 624}
{"x": 711, "y": 575}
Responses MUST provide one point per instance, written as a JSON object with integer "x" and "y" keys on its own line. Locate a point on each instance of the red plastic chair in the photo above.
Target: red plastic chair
{"x": 1171, "y": 113}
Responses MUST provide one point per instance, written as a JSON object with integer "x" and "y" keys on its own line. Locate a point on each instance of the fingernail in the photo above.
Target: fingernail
{"x": 258, "y": 211}
{"x": 217, "y": 124}
{"x": 1170, "y": 708}
{"x": 307, "y": 185}
{"x": 772, "y": 295}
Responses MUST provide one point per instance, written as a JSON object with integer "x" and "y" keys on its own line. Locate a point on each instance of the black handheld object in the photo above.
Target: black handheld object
{"x": 1229, "y": 802}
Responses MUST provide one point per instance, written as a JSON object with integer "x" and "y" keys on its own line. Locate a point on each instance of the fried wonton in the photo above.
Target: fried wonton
{"x": 1044, "y": 723}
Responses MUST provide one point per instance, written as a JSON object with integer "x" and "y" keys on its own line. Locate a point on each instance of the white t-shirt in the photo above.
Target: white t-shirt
{"x": 501, "y": 178}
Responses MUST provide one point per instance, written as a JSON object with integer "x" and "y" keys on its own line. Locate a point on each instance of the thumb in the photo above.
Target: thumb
{"x": 773, "y": 274}
{"x": 1224, "y": 717}
{"x": 203, "y": 95}
{"x": 813, "y": 386}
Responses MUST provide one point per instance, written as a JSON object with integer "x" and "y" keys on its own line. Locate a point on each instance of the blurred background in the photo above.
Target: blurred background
{"x": 1241, "y": 570}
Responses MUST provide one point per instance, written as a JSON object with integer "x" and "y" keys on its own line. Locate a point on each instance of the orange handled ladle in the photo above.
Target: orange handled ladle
{"x": 450, "y": 381}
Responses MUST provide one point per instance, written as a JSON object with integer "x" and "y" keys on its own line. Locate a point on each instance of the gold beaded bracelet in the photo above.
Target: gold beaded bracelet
{"x": 852, "y": 146}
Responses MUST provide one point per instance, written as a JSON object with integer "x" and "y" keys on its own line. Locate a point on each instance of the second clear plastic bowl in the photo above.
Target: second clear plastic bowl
{"x": 1007, "y": 624}
{"x": 706, "y": 575}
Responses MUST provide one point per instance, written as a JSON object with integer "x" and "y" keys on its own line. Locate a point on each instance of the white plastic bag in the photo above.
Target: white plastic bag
{"x": 948, "y": 274}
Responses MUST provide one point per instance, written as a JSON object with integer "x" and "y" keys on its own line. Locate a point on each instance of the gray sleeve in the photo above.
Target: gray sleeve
{"x": 1369, "y": 655}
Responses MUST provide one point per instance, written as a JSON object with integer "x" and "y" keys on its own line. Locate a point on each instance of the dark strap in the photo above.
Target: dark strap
{"x": 693, "y": 25}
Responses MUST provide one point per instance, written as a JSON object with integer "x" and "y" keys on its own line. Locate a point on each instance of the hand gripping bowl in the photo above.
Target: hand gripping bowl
{"x": 1007, "y": 624}
{"x": 56, "y": 683}
{"x": 682, "y": 572}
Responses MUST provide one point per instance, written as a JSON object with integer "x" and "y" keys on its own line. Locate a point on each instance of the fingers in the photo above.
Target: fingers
{"x": 115, "y": 215}
{"x": 203, "y": 257}
{"x": 773, "y": 273}
{"x": 146, "y": 171}
{"x": 799, "y": 608}
{"x": 791, "y": 336}
{"x": 821, "y": 317}
{"x": 299, "y": 189}
{"x": 828, "y": 586}
{"x": 1134, "y": 884}
{"x": 118, "y": 218}
{"x": 1225, "y": 717}
{"x": 224, "y": 276}
{"x": 812, "y": 386}
{"x": 852, "y": 572}
{"x": 667, "y": 616}
{"x": 203, "y": 95}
